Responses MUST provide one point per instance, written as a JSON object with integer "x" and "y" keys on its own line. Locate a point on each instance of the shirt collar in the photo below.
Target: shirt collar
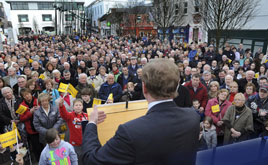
{"x": 151, "y": 104}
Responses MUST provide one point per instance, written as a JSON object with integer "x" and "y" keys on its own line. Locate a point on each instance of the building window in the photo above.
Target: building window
{"x": 185, "y": 5}
{"x": 138, "y": 19}
{"x": 69, "y": 17}
{"x": 196, "y": 6}
{"x": 23, "y": 18}
{"x": 19, "y": 6}
{"x": 45, "y": 6}
{"x": 47, "y": 17}
{"x": 176, "y": 9}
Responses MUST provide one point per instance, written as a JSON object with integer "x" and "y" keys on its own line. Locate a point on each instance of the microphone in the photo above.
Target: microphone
{"x": 127, "y": 99}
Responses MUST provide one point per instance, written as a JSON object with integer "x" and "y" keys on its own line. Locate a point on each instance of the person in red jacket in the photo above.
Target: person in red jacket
{"x": 27, "y": 117}
{"x": 197, "y": 91}
{"x": 74, "y": 121}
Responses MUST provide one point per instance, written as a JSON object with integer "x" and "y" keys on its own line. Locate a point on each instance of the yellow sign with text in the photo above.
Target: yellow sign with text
{"x": 215, "y": 108}
{"x": 63, "y": 87}
{"x": 21, "y": 109}
{"x": 72, "y": 90}
{"x": 8, "y": 139}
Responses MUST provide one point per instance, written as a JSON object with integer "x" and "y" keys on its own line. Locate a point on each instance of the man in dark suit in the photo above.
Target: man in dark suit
{"x": 167, "y": 134}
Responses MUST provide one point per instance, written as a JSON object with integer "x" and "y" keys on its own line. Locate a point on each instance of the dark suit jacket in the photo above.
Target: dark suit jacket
{"x": 167, "y": 134}
{"x": 183, "y": 99}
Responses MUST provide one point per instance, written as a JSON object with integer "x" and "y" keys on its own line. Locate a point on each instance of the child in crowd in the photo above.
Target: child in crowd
{"x": 74, "y": 121}
{"x": 265, "y": 132}
{"x": 196, "y": 106}
{"x": 209, "y": 132}
{"x": 87, "y": 100}
{"x": 202, "y": 142}
{"x": 130, "y": 94}
{"x": 57, "y": 151}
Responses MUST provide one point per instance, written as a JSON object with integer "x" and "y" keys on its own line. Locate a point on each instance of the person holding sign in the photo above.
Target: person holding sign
{"x": 216, "y": 109}
{"x": 74, "y": 121}
{"x": 166, "y": 134}
{"x": 31, "y": 105}
{"x": 238, "y": 121}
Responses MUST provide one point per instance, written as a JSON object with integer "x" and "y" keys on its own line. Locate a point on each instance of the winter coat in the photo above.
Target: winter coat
{"x": 5, "y": 116}
{"x": 42, "y": 122}
{"x": 106, "y": 89}
{"x": 218, "y": 115}
{"x": 210, "y": 136}
{"x": 74, "y": 122}
{"x": 201, "y": 93}
{"x": 27, "y": 118}
{"x": 255, "y": 104}
{"x": 242, "y": 123}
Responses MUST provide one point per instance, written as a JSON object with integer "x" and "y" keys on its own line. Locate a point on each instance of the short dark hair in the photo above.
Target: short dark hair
{"x": 195, "y": 100}
{"x": 51, "y": 135}
{"x": 86, "y": 91}
{"x": 197, "y": 75}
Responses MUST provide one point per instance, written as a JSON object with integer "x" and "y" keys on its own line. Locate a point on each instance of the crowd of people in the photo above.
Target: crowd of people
{"x": 227, "y": 87}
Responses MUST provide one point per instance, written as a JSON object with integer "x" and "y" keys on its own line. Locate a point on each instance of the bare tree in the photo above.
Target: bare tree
{"x": 35, "y": 25}
{"x": 167, "y": 13}
{"x": 220, "y": 15}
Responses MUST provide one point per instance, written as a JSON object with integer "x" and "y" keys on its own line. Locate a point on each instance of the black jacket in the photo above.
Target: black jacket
{"x": 5, "y": 116}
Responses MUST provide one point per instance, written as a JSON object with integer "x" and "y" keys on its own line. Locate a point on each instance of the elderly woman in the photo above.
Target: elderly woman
{"x": 56, "y": 78}
{"x": 54, "y": 94}
{"x": 9, "y": 105}
{"x": 238, "y": 121}
{"x": 47, "y": 116}
{"x": 216, "y": 109}
{"x": 214, "y": 88}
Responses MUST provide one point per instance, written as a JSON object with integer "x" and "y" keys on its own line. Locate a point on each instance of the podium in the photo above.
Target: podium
{"x": 118, "y": 114}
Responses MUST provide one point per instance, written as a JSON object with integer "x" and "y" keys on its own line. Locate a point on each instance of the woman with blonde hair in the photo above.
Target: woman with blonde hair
{"x": 214, "y": 88}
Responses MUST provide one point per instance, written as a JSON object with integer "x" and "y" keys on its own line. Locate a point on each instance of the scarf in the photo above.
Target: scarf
{"x": 10, "y": 105}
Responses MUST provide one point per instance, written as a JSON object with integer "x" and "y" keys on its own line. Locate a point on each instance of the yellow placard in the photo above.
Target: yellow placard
{"x": 110, "y": 97}
{"x": 96, "y": 102}
{"x": 63, "y": 87}
{"x": 21, "y": 109}
{"x": 257, "y": 75}
{"x": 30, "y": 60}
{"x": 215, "y": 108}
{"x": 266, "y": 61}
{"x": 8, "y": 139}
{"x": 93, "y": 85}
{"x": 72, "y": 90}
{"x": 229, "y": 61}
{"x": 14, "y": 127}
{"x": 42, "y": 76}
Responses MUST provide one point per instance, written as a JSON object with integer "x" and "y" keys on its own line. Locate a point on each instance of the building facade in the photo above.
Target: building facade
{"x": 38, "y": 16}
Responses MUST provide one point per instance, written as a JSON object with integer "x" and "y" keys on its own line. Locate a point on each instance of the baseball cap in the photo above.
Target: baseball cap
{"x": 264, "y": 87}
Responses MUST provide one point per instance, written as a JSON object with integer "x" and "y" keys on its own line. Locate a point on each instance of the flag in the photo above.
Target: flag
{"x": 21, "y": 109}
{"x": 72, "y": 90}
{"x": 96, "y": 102}
{"x": 8, "y": 139}
{"x": 110, "y": 97}
{"x": 42, "y": 76}
{"x": 14, "y": 127}
{"x": 93, "y": 85}
{"x": 63, "y": 87}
